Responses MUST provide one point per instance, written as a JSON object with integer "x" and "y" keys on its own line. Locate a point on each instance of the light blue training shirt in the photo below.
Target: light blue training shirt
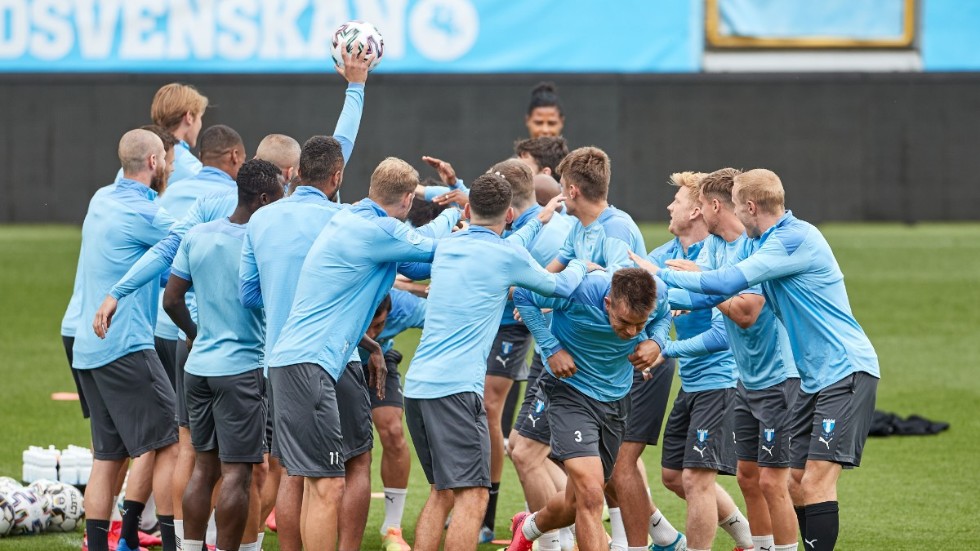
{"x": 407, "y": 312}
{"x": 607, "y": 241}
{"x": 122, "y": 222}
{"x": 804, "y": 285}
{"x": 230, "y": 337}
{"x": 472, "y": 274}
{"x": 580, "y": 325}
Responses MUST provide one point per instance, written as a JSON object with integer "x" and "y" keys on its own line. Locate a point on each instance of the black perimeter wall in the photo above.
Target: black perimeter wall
{"x": 900, "y": 147}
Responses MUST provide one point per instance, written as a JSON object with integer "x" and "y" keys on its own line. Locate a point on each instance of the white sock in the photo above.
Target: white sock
{"x": 394, "y": 508}
{"x": 566, "y": 537}
{"x": 763, "y": 543}
{"x": 530, "y": 528}
{"x": 636, "y": 548}
{"x": 693, "y": 549}
{"x": 211, "y": 536}
{"x": 738, "y": 528}
{"x": 788, "y": 547}
{"x": 618, "y": 530}
{"x": 193, "y": 545}
{"x": 258, "y": 542}
{"x": 179, "y": 534}
{"x": 149, "y": 517}
{"x": 549, "y": 541}
{"x": 661, "y": 530}
{"x": 248, "y": 546}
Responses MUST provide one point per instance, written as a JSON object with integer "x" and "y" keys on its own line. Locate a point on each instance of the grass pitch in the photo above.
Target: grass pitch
{"x": 914, "y": 289}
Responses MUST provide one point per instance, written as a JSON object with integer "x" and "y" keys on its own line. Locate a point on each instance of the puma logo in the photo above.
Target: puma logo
{"x": 700, "y": 450}
{"x": 765, "y": 548}
{"x": 534, "y": 421}
{"x": 769, "y": 449}
{"x": 502, "y": 361}
{"x": 734, "y": 522}
{"x": 812, "y": 543}
{"x": 391, "y": 499}
{"x": 827, "y": 443}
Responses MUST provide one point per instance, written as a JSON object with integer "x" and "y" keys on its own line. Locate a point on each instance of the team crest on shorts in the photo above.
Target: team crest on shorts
{"x": 828, "y": 426}
{"x": 506, "y": 347}
{"x": 538, "y": 406}
{"x": 769, "y": 435}
{"x": 702, "y": 435}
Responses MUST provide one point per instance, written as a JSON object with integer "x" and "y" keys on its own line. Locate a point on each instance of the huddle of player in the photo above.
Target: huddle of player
{"x": 284, "y": 304}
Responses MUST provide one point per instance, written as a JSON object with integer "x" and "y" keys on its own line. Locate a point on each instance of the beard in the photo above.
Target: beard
{"x": 158, "y": 182}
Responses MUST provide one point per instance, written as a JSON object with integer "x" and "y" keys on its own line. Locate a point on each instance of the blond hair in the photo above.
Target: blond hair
{"x": 173, "y": 101}
{"x": 392, "y": 180}
{"x": 719, "y": 184}
{"x": 763, "y": 188}
{"x": 589, "y": 169}
{"x": 689, "y": 180}
{"x": 280, "y": 150}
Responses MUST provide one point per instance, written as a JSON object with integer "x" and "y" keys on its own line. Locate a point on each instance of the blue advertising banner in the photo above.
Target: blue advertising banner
{"x": 293, "y": 36}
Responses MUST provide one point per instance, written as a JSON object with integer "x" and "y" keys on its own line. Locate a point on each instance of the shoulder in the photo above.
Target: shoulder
{"x": 793, "y": 233}
{"x": 618, "y": 224}
{"x": 662, "y": 253}
{"x": 593, "y": 289}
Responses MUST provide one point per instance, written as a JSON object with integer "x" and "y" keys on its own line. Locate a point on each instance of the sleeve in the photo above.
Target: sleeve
{"x": 681, "y": 299}
{"x": 416, "y": 271}
{"x": 154, "y": 263}
{"x": 404, "y": 244}
{"x": 616, "y": 253}
{"x": 526, "y": 235}
{"x": 658, "y": 326}
{"x": 527, "y": 273}
{"x": 529, "y": 304}
{"x": 768, "y": 263}
{"x": 567, "y": 251}
{"x": 715, "y": 339}
{"x": 249, "y": 285}
{"x": 182, "y": 265}
{"x": 350, "y": 119}
{"x": 158, "y": 228}
{"x": 442, "y": 225}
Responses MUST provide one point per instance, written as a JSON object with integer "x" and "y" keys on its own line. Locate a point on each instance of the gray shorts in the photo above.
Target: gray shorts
{"x": 699, "y": 432}
{"x": 508, "y": 355}
{"x": 307, "y": 433}
{"x": 833, "y": 424}
{"x": 227, "y": 414}
{"x": 451, "y": 439}
{"x": 167, "y": 351}
{"x": 532, "y": 420}
{"x": 582, "y": 426}
{"x": 355, "y": 412}
{"x": 761, "y": 434}
{"x": 69, "y": 343}
{"x": 393, "y": 383}
{"x": 650, "y": 400}
{"x": 268, "y": 418}
{"x": 132, "y": 406}
{"x": 181, "y": 361}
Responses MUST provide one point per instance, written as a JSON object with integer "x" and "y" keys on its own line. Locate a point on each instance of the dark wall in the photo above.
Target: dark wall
{"x": 848, "y": 147}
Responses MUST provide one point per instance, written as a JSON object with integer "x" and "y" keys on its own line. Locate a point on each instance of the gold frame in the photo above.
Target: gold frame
{"x": 717, "y": 40}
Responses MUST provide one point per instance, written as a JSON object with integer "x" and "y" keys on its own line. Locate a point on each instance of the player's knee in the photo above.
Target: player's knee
{"x": 327, "y": 488}
{"x": 697, "y": 481}
{"x": 672, "y": 481}
{"x": 589, "y": 496}
{"x": 773, "y": 484}
{"x": 522, "y": 455}
{"x": 748, "y": 479}
{"x": 392, "y": 435}
{"x": 260, "y": 472}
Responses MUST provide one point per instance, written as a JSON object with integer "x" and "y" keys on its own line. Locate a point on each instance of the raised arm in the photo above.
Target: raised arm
{"x": 355, "y": 71}
{"x": 715, "y": 339}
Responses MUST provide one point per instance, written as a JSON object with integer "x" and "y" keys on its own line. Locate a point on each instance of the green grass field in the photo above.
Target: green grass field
{"x": 914, "y": 289}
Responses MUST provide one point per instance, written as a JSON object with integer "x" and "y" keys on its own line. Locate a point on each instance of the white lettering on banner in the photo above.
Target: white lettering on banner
{"x": 15, "y": 28}
{"x": 96, "y": 22}
{"x": 443, "y": 30}
{"x": 142, "y": 37}
{"x": 390, "y": 20}
{"x": 327, "y": 16}
{"x": 190, "y": 23}
{"x": 225, "y": 30}
{"x": 281, "y": 38}
{"x": 53, "y": 36}
{"x": 238, "y": 37}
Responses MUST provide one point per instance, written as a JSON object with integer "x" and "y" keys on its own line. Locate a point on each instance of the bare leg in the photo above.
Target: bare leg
{"x": 631, "y": 493}
{"x": 182, "y": 470}
{"x": 231, "y": 511}
{"x": 702, "y": 507}
{"x": 469, "y": 506}
{"x": 289, "y": 512}
{"x": 197, "y": 495}
{"x": 775, "y": 486}
{"x": 531, "y": 461}
{"x": 356, "y": 501}
{"x": 320, "y": 530}
{"x": 255, "y": 519}
{"x": 755, "y": 502}
{"x": 428, "y": 529}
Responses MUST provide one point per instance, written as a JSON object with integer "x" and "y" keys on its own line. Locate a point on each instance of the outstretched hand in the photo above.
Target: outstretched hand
{"x": 446, "y": 172}
{"x": 682, "y": 265}
{"x": 455, "y": 196}
{"x": 549, "y": 210}
{"x": 356, "y": 66}
{"x": 644, "y": 263}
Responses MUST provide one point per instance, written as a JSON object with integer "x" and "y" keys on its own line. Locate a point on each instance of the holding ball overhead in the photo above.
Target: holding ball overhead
{"x": 356, "y": 38}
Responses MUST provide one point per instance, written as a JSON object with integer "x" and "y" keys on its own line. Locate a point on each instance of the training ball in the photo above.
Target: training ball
{"x": 66, "y": 505}
{"x": 6, "y": 516}
{"x": 31, "y": 512}
{"x": 8, "y": 484}
{"x": 357, "y": 37}
{"x": 41, "y": 485}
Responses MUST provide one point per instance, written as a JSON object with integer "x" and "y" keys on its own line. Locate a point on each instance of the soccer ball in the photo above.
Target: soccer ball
{"x": 8, "y": 484}
{"x": 30, "y": 512}
{"x": 41, "y": 485}
{"x": 6, "y": 515}
{"x": 66, "y": 507}
{"x": 357, "y": 37}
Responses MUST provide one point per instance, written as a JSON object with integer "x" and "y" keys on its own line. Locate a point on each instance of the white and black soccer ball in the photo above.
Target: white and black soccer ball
{"x": 7, "y": 514}
{"x": 8, "y": 484}
{"x": 357, "y": 37}
{"x": 41, "y": 485}
{"x": 66, "y": 506}
{"x": 31, "y": 512}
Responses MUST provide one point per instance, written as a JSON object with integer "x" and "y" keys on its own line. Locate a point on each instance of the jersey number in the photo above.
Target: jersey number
{"x": 578, "y": 436}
